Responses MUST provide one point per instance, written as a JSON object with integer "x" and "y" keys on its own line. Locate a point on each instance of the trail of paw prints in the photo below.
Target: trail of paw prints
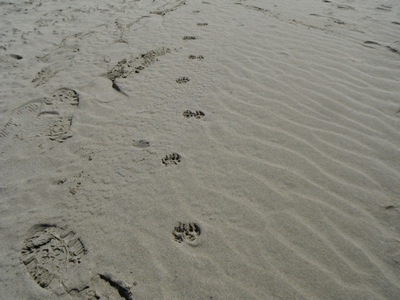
{"x": 171, "y": 159}
{"x": 48, "y": 251}
{"x": 198, "y": 114}
{"x": 187, "y": 232}
{"x": 50, "y": 116}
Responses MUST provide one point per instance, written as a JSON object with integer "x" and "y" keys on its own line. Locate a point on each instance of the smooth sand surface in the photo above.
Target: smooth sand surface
{"x": 227, "y": 149}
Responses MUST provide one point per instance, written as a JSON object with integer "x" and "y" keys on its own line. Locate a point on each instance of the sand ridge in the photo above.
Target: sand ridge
{"x": 169, "y": 149}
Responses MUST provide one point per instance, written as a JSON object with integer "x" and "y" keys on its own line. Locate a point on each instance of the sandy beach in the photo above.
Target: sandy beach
{"x": 184, "y": 149}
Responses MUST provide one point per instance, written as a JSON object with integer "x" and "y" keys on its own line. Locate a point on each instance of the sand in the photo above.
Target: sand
{"x": 227, "y": 149}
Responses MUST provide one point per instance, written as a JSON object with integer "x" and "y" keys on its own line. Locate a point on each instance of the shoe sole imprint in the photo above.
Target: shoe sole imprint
{"x": 48, "y": 251}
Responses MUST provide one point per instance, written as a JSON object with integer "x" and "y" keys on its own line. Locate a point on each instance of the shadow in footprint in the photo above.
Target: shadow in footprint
{"x": 123, "y": 290}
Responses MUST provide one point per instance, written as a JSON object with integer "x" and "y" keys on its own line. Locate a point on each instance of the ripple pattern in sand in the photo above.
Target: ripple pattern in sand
{"x": 310, "y": 149}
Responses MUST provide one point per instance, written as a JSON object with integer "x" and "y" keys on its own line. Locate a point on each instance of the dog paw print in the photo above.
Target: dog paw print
{"x": 141, "y": 143}
{"x": 183, "y": 80}
{"x": 171, "y": 159}
{"x": 198, "y": 114}
{"x": 187, "y": 232}
{"x": 199, "y": 57}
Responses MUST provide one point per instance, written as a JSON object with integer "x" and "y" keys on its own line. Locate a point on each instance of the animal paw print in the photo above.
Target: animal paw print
{"x": 199, "y": 57}
{"x": 183, "y": 80}
{"x": 186, "y": 37}
{"x": 187, "y": 232}
{"x": 141, "y": 144}
{"x": 198, "y": 114}
{"x": 172, "y": 159}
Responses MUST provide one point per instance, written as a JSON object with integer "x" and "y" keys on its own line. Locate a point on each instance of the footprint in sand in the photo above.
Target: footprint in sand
{"x": 198, "y": 114}
{"x": 52, "y": 256}
{"x": 126, "y": 67}
{"x": 199, "y": 57}
{"x": 141, "y": 144}
{"x": 48, "y": 252}
{"x": 51, "y": 117}
{"x": 187, "y": 232}
{"x": 169, "y": 7}
{"x": 171, "y": 159}
{"x": 44, "y": 75}
{"x": 123, "y": 289}
{"x": 106, "y": 286}
{"x": 183, "y": 79}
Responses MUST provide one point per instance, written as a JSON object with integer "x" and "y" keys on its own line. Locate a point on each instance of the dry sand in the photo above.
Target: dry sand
{"x": 228, "y": 149}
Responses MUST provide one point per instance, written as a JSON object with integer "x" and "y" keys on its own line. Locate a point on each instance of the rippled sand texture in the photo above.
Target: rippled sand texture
{"x": 226, "y": 149}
